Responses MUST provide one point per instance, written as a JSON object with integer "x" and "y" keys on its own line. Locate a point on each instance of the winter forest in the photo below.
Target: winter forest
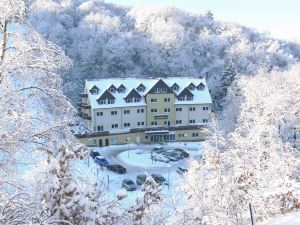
{"x": 49, "y": 47}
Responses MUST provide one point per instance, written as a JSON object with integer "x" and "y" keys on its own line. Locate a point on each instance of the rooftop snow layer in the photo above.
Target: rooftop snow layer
{"x": 200, "y": 96}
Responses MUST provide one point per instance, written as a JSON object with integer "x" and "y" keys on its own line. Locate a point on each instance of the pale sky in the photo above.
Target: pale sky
{"x": 279, "y": 17}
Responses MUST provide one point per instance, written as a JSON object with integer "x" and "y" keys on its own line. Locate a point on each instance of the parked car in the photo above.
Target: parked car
{"x": 160, "y": 158}
{"x": 181, "y": 170}
{"x": 117, "y": 168}
{"x": 101, "y": 161}
{"x": 140, "y": 179}
{"x": 159, "y": 179}
{"x": 158, "y": 149}
{"x": 129, "y": 185}
{"x": 183, "y": 152}
{"x": 94, "y": 154}
{"x": 172, "y": 156}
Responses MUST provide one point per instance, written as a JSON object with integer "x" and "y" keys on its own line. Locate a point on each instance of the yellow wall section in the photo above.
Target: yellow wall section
{"x": 160, "y": 105}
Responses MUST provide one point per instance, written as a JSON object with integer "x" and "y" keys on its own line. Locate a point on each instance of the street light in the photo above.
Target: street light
{"x": 169, "y": 166}
{"x": 127, "y": 140}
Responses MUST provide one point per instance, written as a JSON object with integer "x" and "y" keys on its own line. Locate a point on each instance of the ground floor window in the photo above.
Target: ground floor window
{"x": 114, "y": 140}
{"x": 195, "y": 135}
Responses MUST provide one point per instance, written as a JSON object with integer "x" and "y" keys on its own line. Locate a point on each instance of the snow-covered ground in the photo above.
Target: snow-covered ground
{"x": 137, "y": 160}
{"x": 289, "y": 219}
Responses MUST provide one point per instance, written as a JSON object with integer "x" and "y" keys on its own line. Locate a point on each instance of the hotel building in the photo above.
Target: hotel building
{"x": 133, "y": 110}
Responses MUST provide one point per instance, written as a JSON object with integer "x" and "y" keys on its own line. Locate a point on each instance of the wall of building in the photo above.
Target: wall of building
{"x": 187, "y": 114}
{"x": 141, "y": 137}
{"x": 107, "y": 119}
{"x": 160, "y": 116}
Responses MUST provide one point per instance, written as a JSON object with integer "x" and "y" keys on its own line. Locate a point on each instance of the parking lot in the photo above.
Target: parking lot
{"x": 168, "y": 161}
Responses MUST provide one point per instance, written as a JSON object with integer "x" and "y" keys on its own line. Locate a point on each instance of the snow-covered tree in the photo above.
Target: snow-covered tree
{"x": 148, "y": 209}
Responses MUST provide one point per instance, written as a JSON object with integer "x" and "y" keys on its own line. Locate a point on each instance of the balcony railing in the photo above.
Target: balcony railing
{"x": 83, "y": 105}
{"x": 83, "y": 95}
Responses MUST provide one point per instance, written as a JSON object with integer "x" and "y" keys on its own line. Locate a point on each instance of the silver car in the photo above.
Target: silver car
{"x": 129, "y": 185}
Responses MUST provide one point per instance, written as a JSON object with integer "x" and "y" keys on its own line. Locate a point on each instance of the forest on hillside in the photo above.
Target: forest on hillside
{"x": 108, "y": 40}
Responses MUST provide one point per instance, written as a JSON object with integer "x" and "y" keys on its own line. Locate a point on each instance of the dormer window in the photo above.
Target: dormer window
{"x": 189, "y": 98}
{"x": 102, "y": 102}
{"x": 112, "y": 89}
{"x": 175, "y": 87}
{"x": 201, "y": 87}
{"x": 94, "y": 90}
{"x": 141, "y": 88}
{"x": 137, "y": 99}
{"x": 191, "y": 87}
{"x": 181, "y": 99}
{"x": 121, "y": 88}
{"x": 128, "y": 100}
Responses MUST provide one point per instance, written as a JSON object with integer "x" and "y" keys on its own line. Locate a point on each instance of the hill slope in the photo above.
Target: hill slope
{"x": 107, "y": 40}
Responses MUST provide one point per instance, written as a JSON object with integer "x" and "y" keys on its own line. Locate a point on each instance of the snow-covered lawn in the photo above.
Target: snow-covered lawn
{"x": 289, "y": 219}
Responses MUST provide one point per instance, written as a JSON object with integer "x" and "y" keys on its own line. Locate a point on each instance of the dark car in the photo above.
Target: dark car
{"x": 182, "y": 152}
{"x": 181, "y": 170}
{"x": 140, "y": 179}
{"x": 129, "y": 185}
{"x": 117, "y": 168}
{"x": 94, "y": 154}
{"x": 158, "y": 149}
{"x": 159, "y": 179}
{"x": 101, "y": 161}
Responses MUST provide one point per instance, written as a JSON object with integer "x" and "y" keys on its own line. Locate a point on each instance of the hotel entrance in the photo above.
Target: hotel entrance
{"x": 160, "y": 136}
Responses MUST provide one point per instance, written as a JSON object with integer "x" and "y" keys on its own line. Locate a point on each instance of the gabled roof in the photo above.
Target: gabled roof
{"x": 185, "y": 92}
{"x": 140, "y": 85}
{"x": 191, "y": 85}
{"x": 112, "y": 86}
{"x": 94, "y": 87}
{"x": 201, "y": 85}
{"x": 133, "y": 94}
{"x": 175, "y": 84}
{"x": 121, "y": 86}
{"x": 160, "y": 84}
{"x": 106, "y": 95}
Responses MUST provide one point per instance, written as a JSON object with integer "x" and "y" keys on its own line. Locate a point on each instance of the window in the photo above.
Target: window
{"x": 153, "y": 110}
{"x": 154, "y": 123}
{"x": 146, "y": 137}
{"x": 140, "y": 123}
{"x": 167, "y": 99}
{"x": 114, "y": 140}
{"x": 175, "y": 88}
{"x": 160, "y": 90}
{"x": 167, "y": 110}
{"x": 192, "y": 121}
{"x": 94, "y": 91}
{"x": 195, "y": 135}
{"x": 114, "y": 125}
{"x": 189, "y": 98}
{"x": 126, "y": 111}
{"x": 128, "y": 100}
{"x": 113, "y": 112}
{"x": 181, "y": 135}
{"x": 181, "y": 99}
{"x": 205, "y": 108}
{"x": 121, "y": 90}
{"x": 167, "y": 123}
{"x": 112, "y": 90}
{"x": 102, "y": 102}
{"x": 192, "y": 109}
{"x": 191, "y": 88}
{"x": 178, "y": 109}
{"x": 137, "y": 99}
{"x": 99, "y": 128}
{"x": 153, "y": 100}
{"x": 99, "y": 113}
{"x": 94, "y": 142}
{"x": 201, "y": 88}
{"x": 140, "y": 110}
{"x": 141, "y": 89}
{"x": 111, "y": 102}
{"x": 126, "y": 124}
{"x": 205, "y": 120}
{"x": 178, "y": 121}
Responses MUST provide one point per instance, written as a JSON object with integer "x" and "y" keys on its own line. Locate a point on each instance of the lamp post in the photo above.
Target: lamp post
{"x": 169, "y": 166}
{"x": 88, "y": 158}
{"x": 127, "y": 140}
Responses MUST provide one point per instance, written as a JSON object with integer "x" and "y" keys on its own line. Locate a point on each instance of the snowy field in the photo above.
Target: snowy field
{"x": 137, "y": 160}
{"x": 289, "y": 219}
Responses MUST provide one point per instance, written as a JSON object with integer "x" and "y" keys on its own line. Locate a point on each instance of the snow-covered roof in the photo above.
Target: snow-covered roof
{"x": 200, "y": 96}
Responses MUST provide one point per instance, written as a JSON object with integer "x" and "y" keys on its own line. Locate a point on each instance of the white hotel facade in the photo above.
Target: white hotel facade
{"x": 145, "y": 110}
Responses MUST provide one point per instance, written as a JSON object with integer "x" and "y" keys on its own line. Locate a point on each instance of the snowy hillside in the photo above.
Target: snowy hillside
{"x": 107, "y": 40}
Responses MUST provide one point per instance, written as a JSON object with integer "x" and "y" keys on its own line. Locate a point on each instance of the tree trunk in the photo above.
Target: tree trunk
{"x": 4, "y": 41}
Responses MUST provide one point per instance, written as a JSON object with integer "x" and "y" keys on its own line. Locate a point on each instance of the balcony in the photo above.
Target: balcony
{"x": 83, "y": 105}
{"x": 85, "y": 116}
{"x": 83, "y": 95}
